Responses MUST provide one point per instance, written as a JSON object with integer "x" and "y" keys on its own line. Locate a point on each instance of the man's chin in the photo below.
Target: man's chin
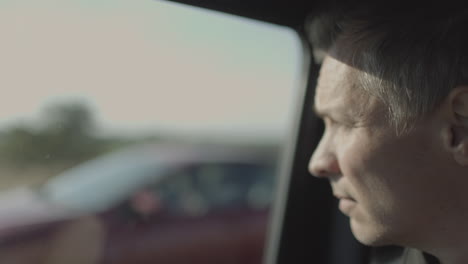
{"x": 369, "y": 235}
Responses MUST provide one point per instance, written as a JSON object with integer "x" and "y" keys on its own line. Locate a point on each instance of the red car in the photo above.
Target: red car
{"x": 148, "y": 204}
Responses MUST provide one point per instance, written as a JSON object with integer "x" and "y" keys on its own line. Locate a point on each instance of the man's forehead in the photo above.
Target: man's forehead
{"x": 332, "y": 65}
{"x": 339, "y": 91}
{"x": 335, "y": 79}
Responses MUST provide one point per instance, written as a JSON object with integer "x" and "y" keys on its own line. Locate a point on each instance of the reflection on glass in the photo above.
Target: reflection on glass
{"x": 139, "y": 132}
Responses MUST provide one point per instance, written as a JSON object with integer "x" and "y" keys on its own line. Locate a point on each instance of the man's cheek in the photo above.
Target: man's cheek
{"x": 356, "y": 159}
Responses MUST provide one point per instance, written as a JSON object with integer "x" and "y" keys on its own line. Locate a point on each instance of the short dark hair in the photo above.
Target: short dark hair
{"x": 410, "y": 60}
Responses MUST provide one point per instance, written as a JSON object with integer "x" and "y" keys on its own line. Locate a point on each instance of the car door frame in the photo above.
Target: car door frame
{"x": 306, "y": 226}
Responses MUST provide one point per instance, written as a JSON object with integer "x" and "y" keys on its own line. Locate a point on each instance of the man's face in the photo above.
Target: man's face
{"x": 389, "y": 185}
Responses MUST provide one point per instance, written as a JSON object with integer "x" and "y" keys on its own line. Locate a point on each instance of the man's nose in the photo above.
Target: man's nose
{"x": 324, "y": 162}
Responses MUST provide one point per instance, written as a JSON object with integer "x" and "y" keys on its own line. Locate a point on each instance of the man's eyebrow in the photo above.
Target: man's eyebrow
{"x": 326, "y": 113}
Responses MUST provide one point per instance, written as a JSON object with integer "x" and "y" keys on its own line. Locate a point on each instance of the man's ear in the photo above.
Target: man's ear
{"x": 458, "y": 140}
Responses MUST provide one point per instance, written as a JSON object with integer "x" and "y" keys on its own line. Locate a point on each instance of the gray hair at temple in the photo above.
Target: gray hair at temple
{"x": 410, "y": 61}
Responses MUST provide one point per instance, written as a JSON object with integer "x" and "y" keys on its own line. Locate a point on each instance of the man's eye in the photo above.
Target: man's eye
{"x": 347, "y": 126}
{"x": 333, "y": 122}
{"x": 350, "y": 124}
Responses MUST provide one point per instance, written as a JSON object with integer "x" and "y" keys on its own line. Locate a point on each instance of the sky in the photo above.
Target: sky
{"x": 146, "y": 66}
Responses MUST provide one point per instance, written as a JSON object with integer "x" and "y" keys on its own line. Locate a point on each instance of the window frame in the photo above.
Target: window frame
{"x": 306, "y": 226}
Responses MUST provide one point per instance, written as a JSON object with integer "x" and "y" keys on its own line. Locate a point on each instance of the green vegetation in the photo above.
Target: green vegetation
{"x": 66, "y": 136}
{"x": 30, "y": 153}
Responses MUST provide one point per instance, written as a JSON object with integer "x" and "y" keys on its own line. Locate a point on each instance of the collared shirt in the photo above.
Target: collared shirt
{"x": 414, "y": 256}
{"x": 396, "y": 255}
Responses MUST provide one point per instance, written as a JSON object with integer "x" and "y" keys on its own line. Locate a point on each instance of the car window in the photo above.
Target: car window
{"x": 117, "y": 112}
{"x": 234, "y": 185}
{"x": 179, "y": 194}
{"x": 215, "y": 187}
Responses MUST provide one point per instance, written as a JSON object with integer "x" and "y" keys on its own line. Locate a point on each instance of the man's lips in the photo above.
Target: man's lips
{"x": 346, "y": 203}
{"x": 341, "y": 196}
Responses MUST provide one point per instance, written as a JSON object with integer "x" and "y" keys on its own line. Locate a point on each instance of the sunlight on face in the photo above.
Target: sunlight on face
{"x": 381, "y": 179}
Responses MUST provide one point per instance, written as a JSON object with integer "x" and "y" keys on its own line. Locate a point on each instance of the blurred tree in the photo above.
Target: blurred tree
{"x": 15, "y": 142}
{"x": 66, "y": 135}
{"x": 73, "y": 120}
